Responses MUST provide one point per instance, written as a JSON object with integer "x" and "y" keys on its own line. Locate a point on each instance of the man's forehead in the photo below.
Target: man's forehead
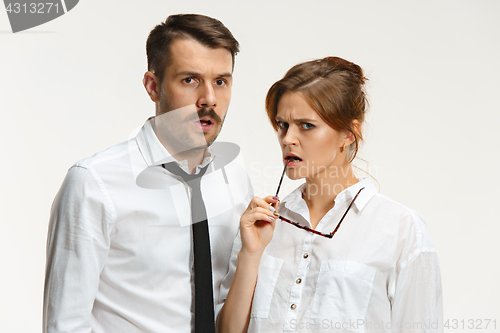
{"x": 190, "y": 56}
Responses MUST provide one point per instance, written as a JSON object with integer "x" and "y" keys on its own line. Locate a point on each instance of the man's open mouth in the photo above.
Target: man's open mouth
{"x": 205, "y": 124}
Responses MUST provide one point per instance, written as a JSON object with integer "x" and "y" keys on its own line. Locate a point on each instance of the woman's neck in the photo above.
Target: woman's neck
{"x": 321, "y": 190}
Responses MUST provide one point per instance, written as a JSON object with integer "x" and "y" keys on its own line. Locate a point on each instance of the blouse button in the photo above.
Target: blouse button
{"x": 298, "y": 281}
{"x": 293, "y": 307}
{"x": 306, "y": 255}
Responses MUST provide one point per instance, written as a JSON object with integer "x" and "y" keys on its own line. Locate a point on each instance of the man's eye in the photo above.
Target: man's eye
{"x": 220, "y": 82}
{"x": 307, "y": 125}
{"x": 188, "y": 80}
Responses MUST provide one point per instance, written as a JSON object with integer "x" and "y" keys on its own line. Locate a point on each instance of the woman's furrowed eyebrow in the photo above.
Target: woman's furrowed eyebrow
{"x": 298, "y": 120}
{"x": 304, "y": 120}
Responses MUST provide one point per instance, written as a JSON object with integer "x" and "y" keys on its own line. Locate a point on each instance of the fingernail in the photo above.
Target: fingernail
{"x": 276, "y": 198}
{"x": 271, "y": 218}
{"x": 272, "y": 209}
{"x": 276, "y": 214}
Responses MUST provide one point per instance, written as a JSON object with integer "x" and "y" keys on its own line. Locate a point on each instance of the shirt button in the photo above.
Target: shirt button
{"x": 293, "y": 307}
{"x": 306, "y": 255}
{"x": 298, "y": 281}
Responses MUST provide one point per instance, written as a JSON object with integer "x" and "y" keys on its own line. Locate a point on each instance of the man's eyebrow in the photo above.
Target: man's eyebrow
{"x": 188, "y": 73}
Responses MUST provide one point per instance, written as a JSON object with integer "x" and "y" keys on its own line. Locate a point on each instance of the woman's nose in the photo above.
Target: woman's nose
{"x": 290, "y": 136}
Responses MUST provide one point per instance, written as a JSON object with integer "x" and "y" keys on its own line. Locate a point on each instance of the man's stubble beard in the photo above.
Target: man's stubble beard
{"x": 218, "y": 122}
{"x": 176, "y": 131}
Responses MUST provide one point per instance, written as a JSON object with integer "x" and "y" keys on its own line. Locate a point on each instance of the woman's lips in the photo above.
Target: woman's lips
{"x": 292, "y": 161}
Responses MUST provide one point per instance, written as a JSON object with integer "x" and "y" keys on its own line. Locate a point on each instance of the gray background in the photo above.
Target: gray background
{"x": 72, "y": 87}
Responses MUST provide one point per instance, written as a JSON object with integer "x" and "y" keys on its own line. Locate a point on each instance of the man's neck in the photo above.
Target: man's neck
{"x": 194, "y": 157}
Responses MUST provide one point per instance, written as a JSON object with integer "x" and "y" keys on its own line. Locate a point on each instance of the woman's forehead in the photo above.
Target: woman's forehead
{"x": 293, "y": 105}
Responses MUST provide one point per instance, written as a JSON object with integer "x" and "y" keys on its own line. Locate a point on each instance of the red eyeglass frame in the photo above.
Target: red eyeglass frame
{"x": 330, "y": 235}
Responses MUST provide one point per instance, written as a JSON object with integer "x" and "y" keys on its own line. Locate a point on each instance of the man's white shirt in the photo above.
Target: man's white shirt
{"x": 119, "y": 247}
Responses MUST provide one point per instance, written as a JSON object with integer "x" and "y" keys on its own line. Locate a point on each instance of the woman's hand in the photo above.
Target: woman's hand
{"x": 256, "y": 231}
{"x": 257, "y": 225}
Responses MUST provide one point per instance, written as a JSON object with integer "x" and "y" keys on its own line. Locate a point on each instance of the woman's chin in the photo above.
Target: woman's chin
{"x": 293, "y": 174}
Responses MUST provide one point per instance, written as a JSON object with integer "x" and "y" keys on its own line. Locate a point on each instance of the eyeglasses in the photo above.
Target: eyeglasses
{"x": 330, "y": 235}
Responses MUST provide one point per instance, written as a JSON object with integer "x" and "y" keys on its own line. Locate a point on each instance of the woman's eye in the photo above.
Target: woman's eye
{"x": 281, "y": 124}
{"x": 307, "y": 125}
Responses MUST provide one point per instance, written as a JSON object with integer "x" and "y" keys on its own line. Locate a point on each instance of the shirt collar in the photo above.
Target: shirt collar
{"x": 369, "y": 190}
{"x": 294, "y": 201}
{"x": 154, "y": 153}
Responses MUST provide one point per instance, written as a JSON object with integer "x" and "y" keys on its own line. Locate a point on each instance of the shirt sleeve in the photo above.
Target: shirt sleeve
{"x": 233, "y": 261}
{"x": 77, "y": 246}
{"x": 228, "y": 279}
{"x": 417, "y": 305}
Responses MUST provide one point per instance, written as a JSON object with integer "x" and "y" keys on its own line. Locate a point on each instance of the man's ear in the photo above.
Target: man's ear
{"x": 152, "y": 85}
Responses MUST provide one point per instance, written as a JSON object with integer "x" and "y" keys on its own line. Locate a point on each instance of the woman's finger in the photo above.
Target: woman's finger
{"x": 271, "y": 199}
{"x": 266, "y": 202}
{"x": 259, "y": 202}
{"x": 258, "y": 214}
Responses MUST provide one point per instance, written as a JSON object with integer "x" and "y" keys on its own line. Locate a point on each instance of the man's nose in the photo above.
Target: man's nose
{"x": 207, "y": 98}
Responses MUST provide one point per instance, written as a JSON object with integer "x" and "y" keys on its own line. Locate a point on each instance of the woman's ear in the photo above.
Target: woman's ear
{"x": 349, "y": 135}
{"x": 152, "y": 85}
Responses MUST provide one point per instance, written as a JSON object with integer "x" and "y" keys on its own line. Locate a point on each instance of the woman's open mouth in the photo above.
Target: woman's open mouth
{"x": 293, "y": 160}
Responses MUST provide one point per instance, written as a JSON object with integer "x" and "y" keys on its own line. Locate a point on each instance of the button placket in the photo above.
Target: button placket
{"x": 298, "y": 283}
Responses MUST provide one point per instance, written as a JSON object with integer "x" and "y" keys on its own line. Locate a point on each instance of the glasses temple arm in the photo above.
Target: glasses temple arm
{"x": 348, "y": 208}
{"x": 281, "y": 180}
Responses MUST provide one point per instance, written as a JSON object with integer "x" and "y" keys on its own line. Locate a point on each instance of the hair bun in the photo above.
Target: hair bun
{"x": 345, "y": 65}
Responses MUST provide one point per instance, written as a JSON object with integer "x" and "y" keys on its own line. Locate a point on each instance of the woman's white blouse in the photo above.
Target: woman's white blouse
{"x": 379, "y": 273}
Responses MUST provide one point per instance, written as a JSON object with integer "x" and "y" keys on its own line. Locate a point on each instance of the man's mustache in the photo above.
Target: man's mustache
{"x": 204, "y": 113}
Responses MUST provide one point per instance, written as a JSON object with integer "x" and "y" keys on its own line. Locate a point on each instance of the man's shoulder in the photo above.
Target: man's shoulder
{"x": 100, "y": 173}
{"x": 117, "y": 154}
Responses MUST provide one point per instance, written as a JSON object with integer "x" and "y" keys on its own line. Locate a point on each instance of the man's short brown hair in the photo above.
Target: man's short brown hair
{"x": 205, "y": 30}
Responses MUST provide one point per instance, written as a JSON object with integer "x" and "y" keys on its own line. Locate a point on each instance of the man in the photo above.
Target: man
{"x": 120, "y": 246}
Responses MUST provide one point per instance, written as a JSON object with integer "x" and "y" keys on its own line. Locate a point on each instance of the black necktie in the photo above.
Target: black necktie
{"x": 203, "y": 285}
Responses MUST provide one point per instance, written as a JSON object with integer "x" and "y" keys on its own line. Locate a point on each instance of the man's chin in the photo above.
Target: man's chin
{"x": 196, "y": 141}
{"x": 194, "y": 150}
{"x": 210, "y": 138}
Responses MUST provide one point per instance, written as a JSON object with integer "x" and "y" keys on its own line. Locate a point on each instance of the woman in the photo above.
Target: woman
{"x": 378, "y": 273}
